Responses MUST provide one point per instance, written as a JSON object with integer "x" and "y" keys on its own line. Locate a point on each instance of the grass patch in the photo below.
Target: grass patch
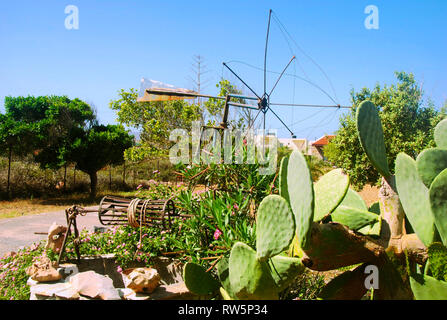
{"x": 23, "y": 207}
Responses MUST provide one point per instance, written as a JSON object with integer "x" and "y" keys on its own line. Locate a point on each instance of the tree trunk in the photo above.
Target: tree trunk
{"x": 393, "y": 216}
{"x": 93, "y": 184}
{"x": 9, "y": 172}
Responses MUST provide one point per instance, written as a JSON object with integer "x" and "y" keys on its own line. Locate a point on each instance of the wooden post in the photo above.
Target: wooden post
{"x": 110, "y": 177}
{"x": 124, "y": 173}
{"x": 65, "y": 177}
{"x": 9, "y": 170}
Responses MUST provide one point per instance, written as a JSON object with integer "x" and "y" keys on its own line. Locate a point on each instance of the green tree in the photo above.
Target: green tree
{"x": 96, "y": 147}
{"x": 154, "y": 121}
{"x": 51, "y": 120}
{"x": 16, "y": 138}
{"x": 408, "y": 125}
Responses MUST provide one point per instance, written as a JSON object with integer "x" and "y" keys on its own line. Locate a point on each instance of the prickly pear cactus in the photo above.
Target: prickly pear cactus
{"x": 438, "y": 201}
{"x": 198, "y": 281}
{"x": 283, "y": 189}
{"x": 301, "y": 196}
{"x": 430, "y": 163}
{"x": 330, "y": 191}
{"x": 440, "y": 134}
{"x": 370, "y": 132}
{"x": 413, "y": 195}
{"x": 275, "y": 227}
{"x": 250, "y": 279}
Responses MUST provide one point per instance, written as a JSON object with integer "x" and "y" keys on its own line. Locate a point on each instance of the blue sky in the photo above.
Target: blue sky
{"x": 118, "y": 42}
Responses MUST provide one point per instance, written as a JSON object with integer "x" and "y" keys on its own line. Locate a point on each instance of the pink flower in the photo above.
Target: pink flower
{"x": 119, "y": 269}
{"x": 155, "y": 171}
{"x": 235, "y": 206}
{"x": 217, "y": 234}
{"x": 139, "y": 187}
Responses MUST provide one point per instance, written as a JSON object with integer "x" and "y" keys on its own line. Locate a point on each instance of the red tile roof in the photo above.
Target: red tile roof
{"x": 324, "y": 140}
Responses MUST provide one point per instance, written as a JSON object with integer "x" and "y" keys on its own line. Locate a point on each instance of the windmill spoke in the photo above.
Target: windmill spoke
{"x": 241, "y": 80}
{"x": 280, "y": 76}
{"x": 281, "y": 121}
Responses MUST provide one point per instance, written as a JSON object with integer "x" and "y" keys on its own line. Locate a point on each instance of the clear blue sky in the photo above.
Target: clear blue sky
{"x": 118, "y": 42}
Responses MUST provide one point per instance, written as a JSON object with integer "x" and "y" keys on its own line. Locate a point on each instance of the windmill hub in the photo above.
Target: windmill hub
{"x": 264, "y": 103}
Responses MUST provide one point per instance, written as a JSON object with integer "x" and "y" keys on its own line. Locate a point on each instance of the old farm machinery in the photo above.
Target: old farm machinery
{"x": 118, "y": 211}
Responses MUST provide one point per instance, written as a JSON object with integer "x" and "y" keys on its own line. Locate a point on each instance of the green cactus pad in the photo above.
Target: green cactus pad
{"x": 284, "y": 270}
{"x": 372, "y": 230}
{"x": 330, "y": 190}
{"x": 353, "y": 218}
{"x": 428, "y": 288}
{"x": 250, "y": 278}
{"x": 430, "y": 163}
{"x": 198, "y": 281}
{"x": 375, "y": 208}
{"x": 414, "y": 196}
{"x": 223, "y": 272}
{"x": 283, "y": 190}
{"x": 441, "y": 134}
{"x": 353, "y": 200}
{"x": 370, "y": 132}
{"x": 275, "y": 227}
{"x": 438, "y": 201}
{"x": 301, "y": 193}
{"x": 437, "y": 256}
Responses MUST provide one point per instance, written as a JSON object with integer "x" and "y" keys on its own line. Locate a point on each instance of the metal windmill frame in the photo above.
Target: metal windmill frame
{"x": 263, "y": 101}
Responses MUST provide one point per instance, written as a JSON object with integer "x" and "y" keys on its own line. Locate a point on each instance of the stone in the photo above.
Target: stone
{"x": 9, "y": 254}
{"x": 94, "y": 285}
{"x": 97, "y": 229}
{"x": 67, "y": 269}
{"x": 129, "y": 294}
{"x": 55, "y": 237}
{"x": 141, "y": 279}
{"x": 177, "y": 291}
{"x": 30, "y": 282}
{"x": 42, "y": 270}
{"x": 44, "y": 291}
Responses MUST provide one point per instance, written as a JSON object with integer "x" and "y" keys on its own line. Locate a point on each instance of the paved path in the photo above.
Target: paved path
{"x": 19, "y": 231}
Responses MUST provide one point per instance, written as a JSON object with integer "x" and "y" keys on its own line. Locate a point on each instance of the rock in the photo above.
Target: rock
{"x": 141, "y": 279}
{"x": 67, "y": 294}
{"x": 9, "y": 254}
{"x": 30, "y": 282}
{"x": 55, "y": 237}
{"x": 129, "y": 294}
{"x": 97, "y": 229}
{"x": 176, "y": 291}
{"x": 94, "y": 285}
{"x": 67, "y": 270}
{"x": 42, "y": 270}
{"x": 45, "y": 291}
